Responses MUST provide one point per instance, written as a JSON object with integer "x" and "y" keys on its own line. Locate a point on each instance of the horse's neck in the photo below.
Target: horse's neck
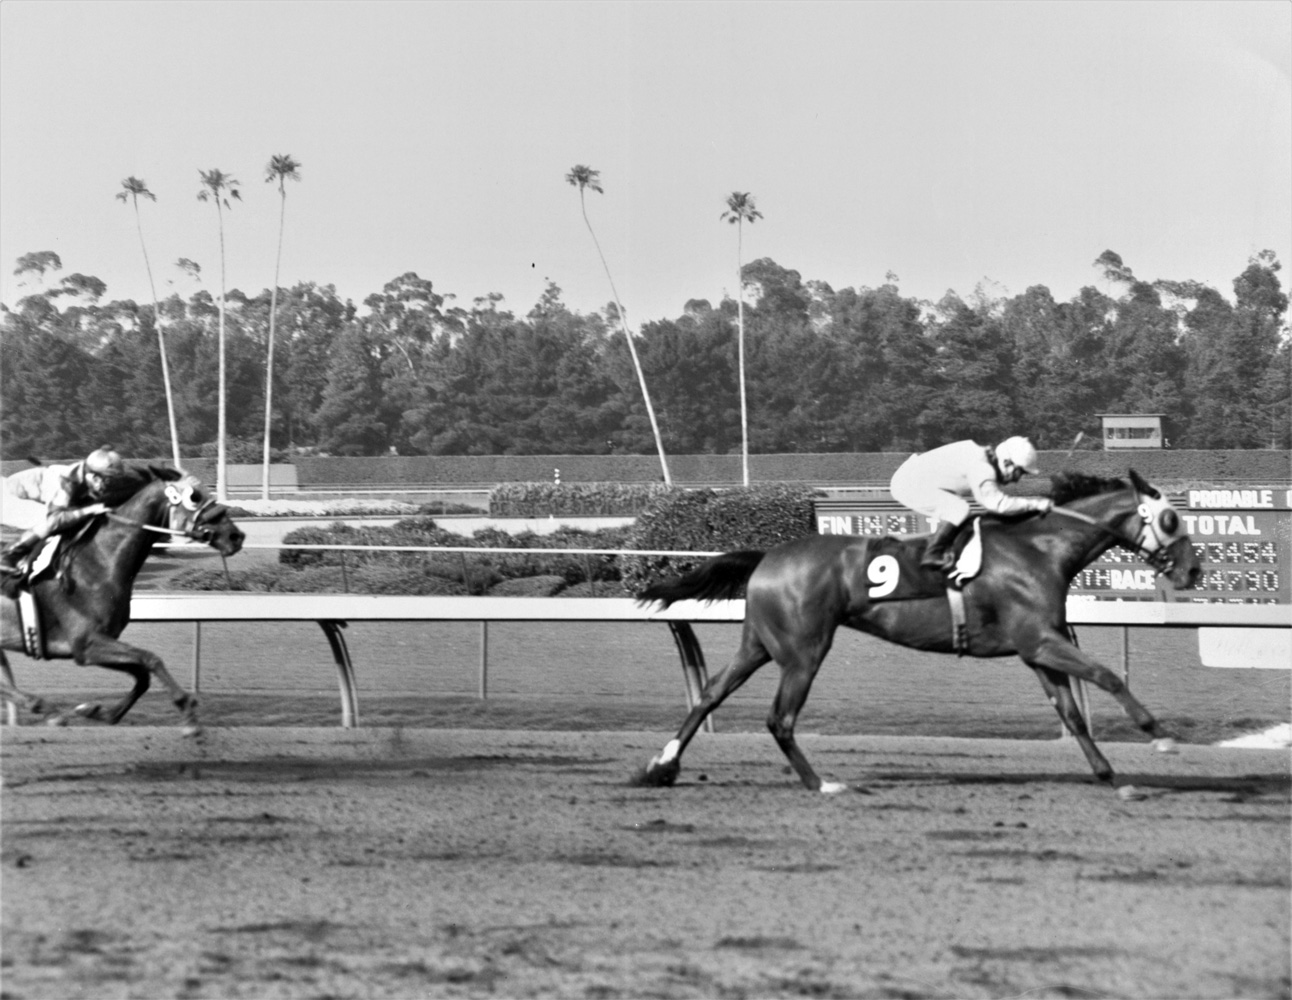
{"x": 126, "y": 539}
{"x": 1108, "y": 510}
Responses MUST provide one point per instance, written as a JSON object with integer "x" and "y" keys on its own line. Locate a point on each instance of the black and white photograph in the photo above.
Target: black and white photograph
{"x": 645, "y": 499}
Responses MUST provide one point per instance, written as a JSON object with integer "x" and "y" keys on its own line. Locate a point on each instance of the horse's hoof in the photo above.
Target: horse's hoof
{"x": 832, "y": 787}
{"x": 1166, "y": 745}
{"x": 1129, "y": 793}
{"x": 56, "y": 720}
{"x": 191, "y": 730}
{"x": 656, "y": 776}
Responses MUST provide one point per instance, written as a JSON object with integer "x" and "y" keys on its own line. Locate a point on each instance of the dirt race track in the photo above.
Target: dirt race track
{"x": 416, "y": 863}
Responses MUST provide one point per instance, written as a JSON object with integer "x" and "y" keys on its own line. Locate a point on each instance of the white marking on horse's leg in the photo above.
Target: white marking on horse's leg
{"x": 833, "y": 787}
{"x": 1165, "y": 745}
{"x": 669, "y": 754}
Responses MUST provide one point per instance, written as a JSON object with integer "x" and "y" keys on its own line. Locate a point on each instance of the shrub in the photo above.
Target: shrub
{"x": 571, "y": 568}
{"x": 260, "y": 578}
{"x": 529, "y": 586}
{"x": 756, "y": 517}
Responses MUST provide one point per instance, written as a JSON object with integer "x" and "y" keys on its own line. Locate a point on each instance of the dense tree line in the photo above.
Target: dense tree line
{"x": 853, "y": 369}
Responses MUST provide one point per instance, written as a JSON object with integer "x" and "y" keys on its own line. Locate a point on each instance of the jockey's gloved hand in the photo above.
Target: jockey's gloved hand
{"x": 1044, "y": 505}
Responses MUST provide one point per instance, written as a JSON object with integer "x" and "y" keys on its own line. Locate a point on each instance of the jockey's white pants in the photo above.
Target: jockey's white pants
{"x": 911, "y": 491}
{"x": 18, "y": 512}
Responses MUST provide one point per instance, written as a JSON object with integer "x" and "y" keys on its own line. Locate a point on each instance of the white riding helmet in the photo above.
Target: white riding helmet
{"x": 105, "y": 462}
{"x": 1019, "y": 452}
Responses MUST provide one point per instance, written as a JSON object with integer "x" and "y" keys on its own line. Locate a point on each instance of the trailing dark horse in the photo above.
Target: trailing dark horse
{"x": 86, "y": 606}
{"x": 800, "y": 592}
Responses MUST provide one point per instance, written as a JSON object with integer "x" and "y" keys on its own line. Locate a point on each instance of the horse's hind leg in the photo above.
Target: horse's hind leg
{"x": 1058, "y": 688}
{"x": 95, "y": 712}
{"x": 664, "y": 767}
{"x": 100, "y": 650}
{"x": 798, "y": 669}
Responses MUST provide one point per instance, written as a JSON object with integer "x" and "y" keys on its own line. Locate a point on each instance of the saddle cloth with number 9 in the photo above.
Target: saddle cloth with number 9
{"x": 894, "y": 573}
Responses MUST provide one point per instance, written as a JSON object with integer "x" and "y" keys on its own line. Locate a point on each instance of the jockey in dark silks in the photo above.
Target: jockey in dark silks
{"x": 52, "y": 499}
{"x": 937, "y": 483}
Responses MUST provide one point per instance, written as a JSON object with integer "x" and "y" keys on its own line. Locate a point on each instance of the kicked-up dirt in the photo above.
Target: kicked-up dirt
{"x": 280, "y": 862}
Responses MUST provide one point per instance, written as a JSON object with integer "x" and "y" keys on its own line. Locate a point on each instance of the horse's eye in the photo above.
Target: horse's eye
{"x": 1170, "y": 521}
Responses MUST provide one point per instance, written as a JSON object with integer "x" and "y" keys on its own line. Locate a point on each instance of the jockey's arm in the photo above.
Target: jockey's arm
{"x": 988, "y": 493}
{"x": 62, "y": 519}
{"x": 67, "y": 509}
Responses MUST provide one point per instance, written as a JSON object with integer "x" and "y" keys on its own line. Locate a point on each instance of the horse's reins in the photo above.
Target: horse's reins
{"x": 173, "y": 532}
{"x": 113, "y": 516}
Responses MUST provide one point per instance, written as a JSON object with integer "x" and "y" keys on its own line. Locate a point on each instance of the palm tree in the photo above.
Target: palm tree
{"x": 215, "y": 183}
{"x": 132, "y": 188}
{"x": 280, "y": 169}
{"x": 585, "y": 177}
{"x": 740, "y": 209}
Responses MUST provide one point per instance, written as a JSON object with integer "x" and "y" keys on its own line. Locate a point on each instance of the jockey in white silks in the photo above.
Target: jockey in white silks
{"x": 937, "y": 484}
{"x": 50, "y": 499}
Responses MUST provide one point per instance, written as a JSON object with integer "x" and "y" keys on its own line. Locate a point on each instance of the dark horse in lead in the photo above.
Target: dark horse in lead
{"x": 799, "y": 593}
{"x": 85, "y": 608}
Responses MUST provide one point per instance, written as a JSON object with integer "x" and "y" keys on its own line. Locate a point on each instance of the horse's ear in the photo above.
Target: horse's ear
{"x": 1142, "y": 485}
{"x": 165, "y": 473}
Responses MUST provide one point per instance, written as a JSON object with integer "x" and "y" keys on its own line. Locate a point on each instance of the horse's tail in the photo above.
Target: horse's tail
{"x": 719, "y": 579}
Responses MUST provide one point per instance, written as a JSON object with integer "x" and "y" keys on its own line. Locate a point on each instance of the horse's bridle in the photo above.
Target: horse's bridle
{"x": 1159, "y": 524}
{"x": 198, "y": 528}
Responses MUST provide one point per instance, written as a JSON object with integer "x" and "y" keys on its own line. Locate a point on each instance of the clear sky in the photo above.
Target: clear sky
{"x": 946, "y": 142}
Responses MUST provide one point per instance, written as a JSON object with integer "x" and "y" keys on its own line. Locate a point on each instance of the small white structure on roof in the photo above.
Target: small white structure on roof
{"x": 1132, "y": 430}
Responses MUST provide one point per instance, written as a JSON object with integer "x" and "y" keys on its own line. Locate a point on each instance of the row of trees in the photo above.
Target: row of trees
{"x": 853, "y": 369}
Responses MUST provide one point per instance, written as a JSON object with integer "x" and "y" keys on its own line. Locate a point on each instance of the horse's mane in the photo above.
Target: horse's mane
{"x": 1067, "y": 486}
{"x": 135, "y": 478}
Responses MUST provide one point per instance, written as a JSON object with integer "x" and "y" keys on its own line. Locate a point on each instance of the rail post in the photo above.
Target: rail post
{"x": 197, "y": 656}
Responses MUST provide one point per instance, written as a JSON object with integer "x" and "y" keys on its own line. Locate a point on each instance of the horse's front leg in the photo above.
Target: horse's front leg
{"x": 104, "y": 651}
{"x": 15, "y": 698}
{"x": 1058, "y": 688}
{"x": 1049, "y": 648}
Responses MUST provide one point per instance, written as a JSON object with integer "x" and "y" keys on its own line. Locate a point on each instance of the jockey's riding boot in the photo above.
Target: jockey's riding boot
{"x": 11, "y": 555}
{"x": 937, "y": 554}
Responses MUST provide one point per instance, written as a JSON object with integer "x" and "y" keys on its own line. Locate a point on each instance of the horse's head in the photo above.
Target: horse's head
{"x": 1161, "y": 536}
{"x": 190, "y": 511}
{"x": 1141, "y": 519}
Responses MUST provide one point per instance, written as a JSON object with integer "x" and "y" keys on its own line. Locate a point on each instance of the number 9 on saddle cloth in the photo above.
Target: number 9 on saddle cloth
{"x": 894, "y": 572}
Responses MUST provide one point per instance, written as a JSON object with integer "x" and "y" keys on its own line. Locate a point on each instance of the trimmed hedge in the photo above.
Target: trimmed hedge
{"x": 755, "y": 517}
{"x": 572, "y": 499}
